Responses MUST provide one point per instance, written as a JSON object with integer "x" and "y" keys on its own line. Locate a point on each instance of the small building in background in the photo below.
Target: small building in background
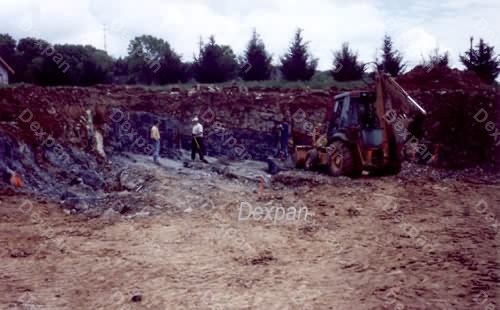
{"x": 5, "y": 70}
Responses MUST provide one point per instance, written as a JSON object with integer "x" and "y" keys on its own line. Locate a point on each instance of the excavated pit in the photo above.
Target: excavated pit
{"x": 425, "y": 239}
{"x": 62, "y": 141}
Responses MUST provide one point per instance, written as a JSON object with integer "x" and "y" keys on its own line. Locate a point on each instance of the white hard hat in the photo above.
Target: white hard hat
{"x": 195, "y": 119}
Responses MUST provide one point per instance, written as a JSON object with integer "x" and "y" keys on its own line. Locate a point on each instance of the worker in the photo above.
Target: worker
{"x": 316, "y": 133}
{"x": 155, "y": 136}
{"x": 198, "y": 145}
{"x": 319, "y": 137}
{"x": 277, "y": 136}
{"x": 285, "y": 134}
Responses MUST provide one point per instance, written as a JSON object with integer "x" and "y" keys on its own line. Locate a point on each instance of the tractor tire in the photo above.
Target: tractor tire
{"x": 341, "y": 161}
{"x": 311, "y": 160}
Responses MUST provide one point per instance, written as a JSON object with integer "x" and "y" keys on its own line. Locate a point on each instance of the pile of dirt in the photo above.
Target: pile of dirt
{"x": 441, "y": 77}
{"x": 459, "y": 106}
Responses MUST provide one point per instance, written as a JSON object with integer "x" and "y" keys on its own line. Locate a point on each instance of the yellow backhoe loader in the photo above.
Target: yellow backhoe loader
{"x": 366, "y": 132}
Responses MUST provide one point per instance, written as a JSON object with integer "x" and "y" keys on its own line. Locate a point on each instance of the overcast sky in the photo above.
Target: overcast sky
{"x": 416, "y": 26}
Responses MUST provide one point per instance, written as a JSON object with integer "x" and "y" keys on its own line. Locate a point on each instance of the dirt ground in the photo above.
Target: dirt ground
{"x": 372, "y": 243}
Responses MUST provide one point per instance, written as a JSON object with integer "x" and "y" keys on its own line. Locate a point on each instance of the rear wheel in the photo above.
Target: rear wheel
{"x": 341, "y": 160}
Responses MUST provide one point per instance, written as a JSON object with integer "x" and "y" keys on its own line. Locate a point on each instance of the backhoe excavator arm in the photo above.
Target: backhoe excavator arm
{"x": 393, "y": 102}
{"x": 401, "y": 100}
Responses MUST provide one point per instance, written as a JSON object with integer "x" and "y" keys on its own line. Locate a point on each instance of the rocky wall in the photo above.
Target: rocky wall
{"x": 70, "y": 132}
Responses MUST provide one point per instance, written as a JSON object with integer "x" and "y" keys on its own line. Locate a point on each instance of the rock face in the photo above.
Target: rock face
{"x": 237, "y": 124}
{"x": 62, "y": 135}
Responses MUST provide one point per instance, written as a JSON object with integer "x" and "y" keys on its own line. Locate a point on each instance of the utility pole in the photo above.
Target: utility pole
{"x": 200, "y": 43}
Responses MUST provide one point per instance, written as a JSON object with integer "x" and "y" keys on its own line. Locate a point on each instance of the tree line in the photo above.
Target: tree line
{"x": 153, "y": 61}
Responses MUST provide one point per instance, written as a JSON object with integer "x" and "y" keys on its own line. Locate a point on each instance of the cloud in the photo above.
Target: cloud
{"x": 417, "y": 27}
{"x": 416, "y": 43}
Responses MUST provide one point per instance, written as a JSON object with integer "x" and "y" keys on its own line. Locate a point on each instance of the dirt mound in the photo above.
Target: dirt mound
{"x": 440, "y": 77}
{"x": 456, "y": 102}
{"x": 458, "y": 105}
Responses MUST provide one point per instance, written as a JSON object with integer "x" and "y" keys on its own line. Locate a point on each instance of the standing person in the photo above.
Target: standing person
{"x": 285, "y": 135}
{"x": 277, "y": 136}
{"x": 198, "y": 145}
{"x": 155, "y": 136}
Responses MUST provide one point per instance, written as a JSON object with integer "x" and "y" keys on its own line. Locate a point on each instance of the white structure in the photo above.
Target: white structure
{"x": 5, "y": 69}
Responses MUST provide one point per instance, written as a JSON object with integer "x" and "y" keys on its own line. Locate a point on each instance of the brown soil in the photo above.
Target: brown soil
{"x": 429, "y": 249}
{"x": 437, "y": 78}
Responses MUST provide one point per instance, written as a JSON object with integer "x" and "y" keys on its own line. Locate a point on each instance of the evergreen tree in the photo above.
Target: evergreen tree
{"x": 298, "y": 64}
{"x": 483, "y": 61}
{"x": 436, "y": 59}
{"x": 256, "y": 63}
{"x": 392, "y": 60}
{"x": 215, "y": 63}
{"x": 346, "y": 66}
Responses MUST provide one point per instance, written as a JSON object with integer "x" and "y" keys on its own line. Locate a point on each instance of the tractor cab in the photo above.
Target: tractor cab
{"x": 354, "y": 117}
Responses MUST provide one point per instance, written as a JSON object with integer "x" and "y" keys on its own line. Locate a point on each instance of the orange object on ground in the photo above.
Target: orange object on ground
{"x": 261, "y": 185}
{"x": 15, "y": 180}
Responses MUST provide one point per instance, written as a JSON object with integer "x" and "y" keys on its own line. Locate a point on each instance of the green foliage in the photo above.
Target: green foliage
{"x": 7, "y": 48}
{"x": 256, "y": 63}
{"x": 119, "y": 71}
{"x": 298, "y": 64}
{"x": 215, "y": 63}
{"x": 436, "y": 59}
{"x": 29, "y": 62}
{"x": 346, "y": 66}
{"x": 142, "y": 60}
{"x": 152, "y": 61}
{"x": 37, "y": 62}
{"x": 483, "y": 61}
{"x": 392, "y": 60}
{"x": 76, "y": 65}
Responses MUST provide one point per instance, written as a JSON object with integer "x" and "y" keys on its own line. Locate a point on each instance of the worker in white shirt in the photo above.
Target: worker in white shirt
{"x": 155, "y": 136}
{"x": 198, "y": 145}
